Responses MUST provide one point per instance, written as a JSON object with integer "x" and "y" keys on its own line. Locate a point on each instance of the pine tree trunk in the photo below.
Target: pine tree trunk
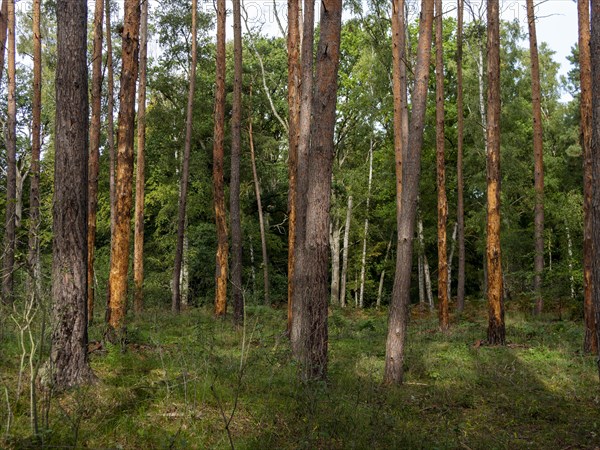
{"x": 366, "y": 231}
{"x": 119, "y": 261}
{"x": 94, "y": 159}
{"x": 460, "y": 206}
{"x": 110, "y": 122}
{"x": 8, "y": 259}
{"x": 234, "y": 184}
{"x": 411, "y": 169}
{"x": 450, "y": 258}
{"x": 68, "y": 356}
{"x": 36, "y": 144}
{"x": 590, "y": 343}
{"x": 185, "y": 169}
{"x": 3, "y": 33}
{"x": 345, "y": 252}
{"x": 538, "y": 151}
{"x": 442, "y": 202}
{"x": 218, "y": 157}
{"x": 496, "y": 331}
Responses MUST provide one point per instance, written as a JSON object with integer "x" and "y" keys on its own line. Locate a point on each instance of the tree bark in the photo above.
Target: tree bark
{"x": 335, "y": 260}
{"x": 94, "y": 158}
{"x": 3, "y": 33}
{"x": 218, "y": 157}
{"x": 110, "y": 123}
{"x": 426, "y": 271}
{"x": 234, "y": 183}
{"x": 460, "y": 206}
{"x": 411, "y": 169}
{"x": 345, "y": 252}
{"x": 496, "y": 330}
{"x": 140, "y": 178}
{"x": 382, "y": 276}
{"x": 119, "y": 261}
{"x": 590, "y": 342}
{"x": 293, "y": 48}
{"x": 36, "y": 144}
{"x": 69, "y": 256}
{"x": 450, "y": 258}
{"x": 538, "y": 151}
{"x": 442, "y": 202}
{"x": 366, "y": 231}
{"x": 185, "y": 169}
{"x": 8, "y": 261}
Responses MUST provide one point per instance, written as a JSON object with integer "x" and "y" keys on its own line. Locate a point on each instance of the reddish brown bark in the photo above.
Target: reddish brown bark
{"x": 110, "y": 123}
{"x": 442, "y": 202}
{"x": 93, "y": 163}
{"x": 218, "y": 157}
{"x": 411, "y": 169}
{"x": 496, "y": 331}
{"x": 460, "y": 204}
{"x": 119, "y": 261}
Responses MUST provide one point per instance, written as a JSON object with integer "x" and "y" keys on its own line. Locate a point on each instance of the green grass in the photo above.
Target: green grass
{"x": 181, "y": 373}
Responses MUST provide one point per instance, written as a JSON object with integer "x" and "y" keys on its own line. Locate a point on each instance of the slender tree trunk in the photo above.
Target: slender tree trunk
{"x": 252, "y": 265}
{"x": 460, "y": 206}
{"x": 234, "y": 184}
{"x": 590, "y": 343}
{"x": 261, "y": 221}
{"x": 382, "y": 276}
{"x": 119, "y": 261}
{"x": 3, "y": 33}
{"x": 366, "y": 231}
{"x": 110, "y": 123}
{"x": 442, "y": 201}
{"x": 336, "y": 232}
{"x": 293, "y": 48}
{"x": 36, "y": 144}
{"x": 185, "y": 170}
{"x": 426, "y": 271}
{"x": 69, "y": 251}
{"x": 450, "y": 258}
{"x": 411, "y": 169}
{"x": 345, "y": 252}
{"x": 11, "y": 164}
{"x": 570, "y": 261}
{"x": 496, "y": 331}
{"x": 140, "y": 178}
{"x": 421, "y": 279}
{"x": 538, "y": 151}
{"x": 218, "y": 157}
{"x": 94, "y": 159}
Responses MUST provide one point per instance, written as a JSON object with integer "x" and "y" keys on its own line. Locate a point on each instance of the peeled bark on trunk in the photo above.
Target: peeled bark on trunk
{"x": 442, "y": 202}
{"x": 261, "y": 221}
{"x": 68, "y": 357}
{"x": 460, "y": 203}
{"x": 496, "y": 330}
{"x": 590, "y": 342}
{"x": 293, "y": 48}
{"x": 33, "y": 258}
{"x": 411, "y": 169}
{"x": 345, "y": 252}
{"x": 119, "y": 261}
{"x": 218, "y": 157}
{"x": 366, "y": 231}
{"x": 538, "y": 151}
{"x": 185, "y": 169}
{"x": 94, "y": 159}
{"x": 234, "y": 184}
{"x": 336, "y": 231}
{"x": 382, "y": 276}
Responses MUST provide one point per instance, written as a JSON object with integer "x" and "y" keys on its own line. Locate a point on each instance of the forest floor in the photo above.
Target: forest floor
{"x": 190, "y": 381}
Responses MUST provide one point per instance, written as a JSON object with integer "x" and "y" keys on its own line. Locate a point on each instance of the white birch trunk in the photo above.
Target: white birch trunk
{"x": 345, "y": 253}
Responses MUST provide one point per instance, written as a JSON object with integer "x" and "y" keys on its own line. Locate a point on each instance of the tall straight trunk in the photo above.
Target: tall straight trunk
{"x": 140, "y": 178}
{"x": 293, "y": 48}
{"x": 3, "y": 33}
{"x": 363, "y": 263}
{"x": 570, "y": 261}
{"x": 450, "y": 258}
{"x": 11, "y": 165}
{"x": 496, "y": 330}
{"x": 382, "y": 276}
{"x": 234, "y": 184}
{"x": 119, "y": 260}
{"x": 595, "y": 156}
{"x": 411, "y": 169}
{"x": 69, "y": 250}
{"x": 185, "y": 169}
{"x": 110, "y": 122}
{"x": 312, "y": 262}
{"x": 421, "y": 280}
{"x": 538, "y": 152}
{"x": 261, "y": 221}
{"x": 426, "y": 271}
{"x": 299, "y": 321}
{"x": 36, "y": 144}
{"x": 336, "y": 232}
{"x": 345, "y": 252}
{"x": 442, "y": 202}
{"x": 590, "y": 342}
{"x": 94, "y": 158}
{"x": 460, "y": 202}
{"x": 218, "y": 157}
